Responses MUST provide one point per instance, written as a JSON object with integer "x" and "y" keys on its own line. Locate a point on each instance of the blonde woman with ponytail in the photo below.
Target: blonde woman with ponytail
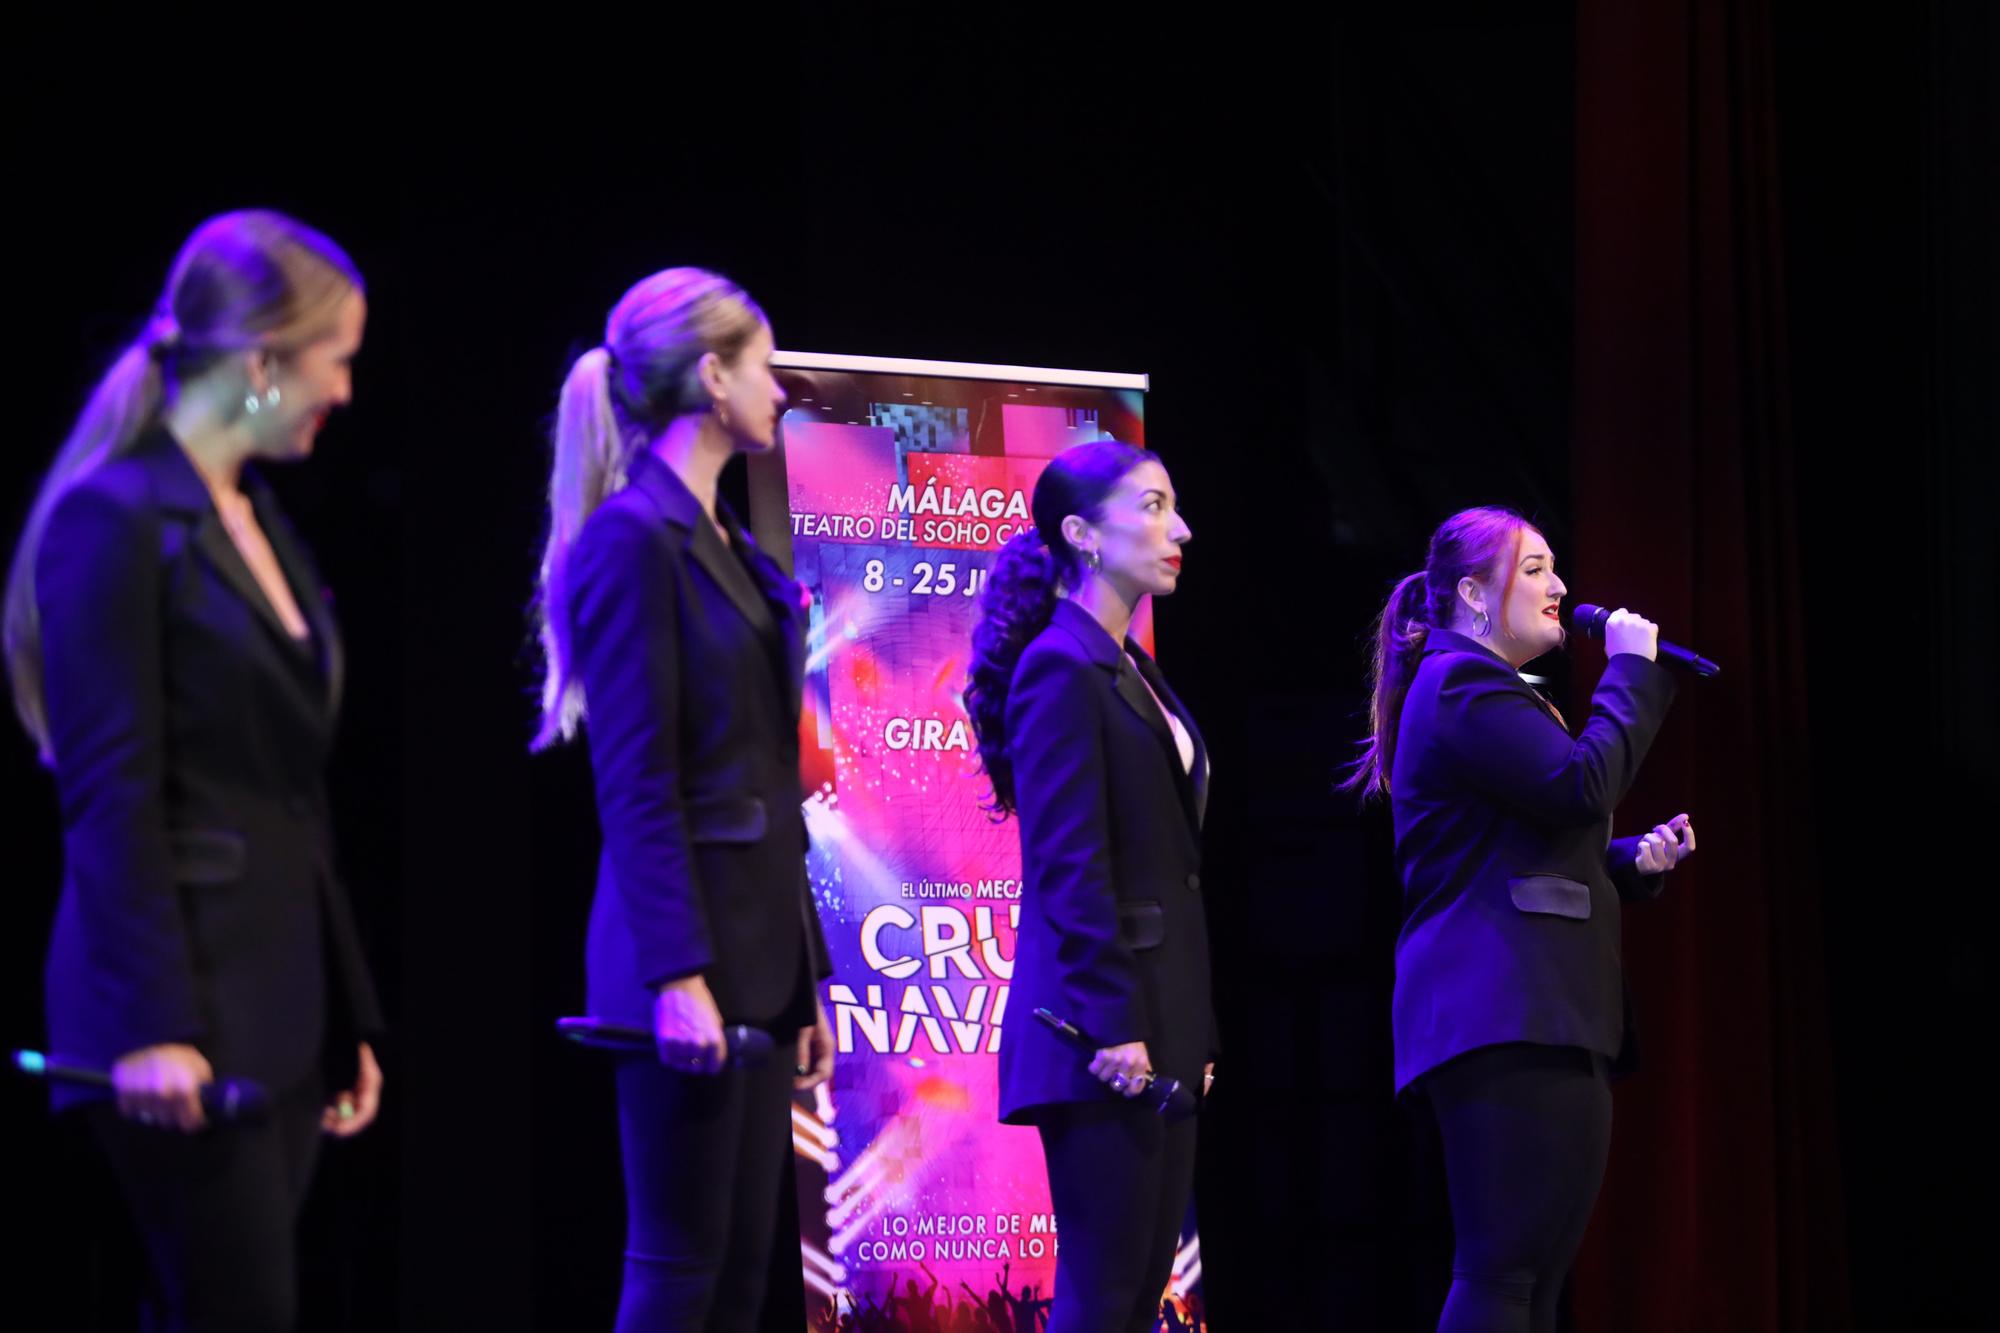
{"x": 175, "y": 662}
{"x": 677, "y": 648}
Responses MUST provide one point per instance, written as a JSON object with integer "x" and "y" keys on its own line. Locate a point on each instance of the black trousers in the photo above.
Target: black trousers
{"x": 704, "y": 1161}
{"x": 1526, "y": 1131}
{"x": 217, "y": 1212}
{"x": 1119, "y": 1177}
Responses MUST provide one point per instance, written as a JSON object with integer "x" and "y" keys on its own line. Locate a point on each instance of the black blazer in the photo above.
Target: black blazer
{"x": 1113, "y": 934}
{"x": 200, "y": 902}
{"x": 692, "y": 665}
{"x": 1511, "y": 882}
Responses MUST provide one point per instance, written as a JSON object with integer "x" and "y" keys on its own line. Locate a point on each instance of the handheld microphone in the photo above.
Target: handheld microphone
{"x": 1168, "y": 1096}
{"x": 1590, "y": 619}
{"x": 236, "y": 1101}
{"x": 748, "y": 1047}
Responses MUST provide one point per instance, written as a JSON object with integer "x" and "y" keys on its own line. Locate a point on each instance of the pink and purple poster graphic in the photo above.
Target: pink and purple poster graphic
{"x": 898, "y": 490}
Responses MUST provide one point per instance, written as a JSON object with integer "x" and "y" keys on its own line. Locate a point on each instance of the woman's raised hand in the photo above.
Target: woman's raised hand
{"x": 1666, "y": 846}
{"x": 1629, "y": 632}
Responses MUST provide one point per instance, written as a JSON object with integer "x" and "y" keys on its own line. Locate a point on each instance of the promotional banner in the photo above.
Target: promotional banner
{"x": 897, "y": 483}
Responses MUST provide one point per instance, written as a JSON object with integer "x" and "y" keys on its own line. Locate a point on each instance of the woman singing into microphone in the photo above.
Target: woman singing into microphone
{"x": 173, "y": 657}
{"x": 679, "y": 647}
{"x": 1510, "y": 1007}
{"x": 1090, "y": 750}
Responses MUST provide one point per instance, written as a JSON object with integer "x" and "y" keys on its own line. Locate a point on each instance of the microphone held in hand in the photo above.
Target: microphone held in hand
{"x": 748, "y": 1047}
{"x": 1590, "y": 619}
{"x": 236, "y": 1101}
{"x": 1168, "y": 1096}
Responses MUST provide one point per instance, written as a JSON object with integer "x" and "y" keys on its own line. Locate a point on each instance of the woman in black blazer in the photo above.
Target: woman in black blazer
{"x": 174, "y": 658}
{"x": 1104, "y": 769}
{"x": 680, "y": 648}
{"x": 1510, "y": 1006}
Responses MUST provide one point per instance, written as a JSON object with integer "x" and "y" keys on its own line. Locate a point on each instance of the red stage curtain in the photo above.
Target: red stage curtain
{"x": 1722, "y": 1209}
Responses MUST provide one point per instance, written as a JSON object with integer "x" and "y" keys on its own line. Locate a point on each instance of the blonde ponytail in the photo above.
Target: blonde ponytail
{"x": 592, "y": 454}
{"x": 125, "y": 403}
{"x": 615, "y": 399}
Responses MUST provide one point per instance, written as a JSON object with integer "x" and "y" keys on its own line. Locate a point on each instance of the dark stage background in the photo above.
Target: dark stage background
{"x": 1706, "y": 286}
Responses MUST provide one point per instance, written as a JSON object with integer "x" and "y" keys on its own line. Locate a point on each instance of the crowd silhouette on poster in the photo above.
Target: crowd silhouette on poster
{"x": 936, "y": 1309}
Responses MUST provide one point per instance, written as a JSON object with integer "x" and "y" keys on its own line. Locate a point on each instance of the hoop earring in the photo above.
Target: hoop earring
{"x": 253, "y": 404}
{"x": 1481, "y": 626}
{"x": 1092, "y": 561}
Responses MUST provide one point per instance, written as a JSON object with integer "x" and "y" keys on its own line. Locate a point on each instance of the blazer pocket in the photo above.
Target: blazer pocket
{"x": 207, "y": 856}
{"x": 726, "y": 819}
{"x": 1551, "y": 895}
{"x": 1141, "y": 925}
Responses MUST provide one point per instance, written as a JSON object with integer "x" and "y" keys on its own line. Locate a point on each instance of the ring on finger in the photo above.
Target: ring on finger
{"x": 1118, "y": 1081}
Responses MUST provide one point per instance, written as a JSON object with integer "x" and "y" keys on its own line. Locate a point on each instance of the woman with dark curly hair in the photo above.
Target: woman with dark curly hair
{"x": 1085, "y": 743}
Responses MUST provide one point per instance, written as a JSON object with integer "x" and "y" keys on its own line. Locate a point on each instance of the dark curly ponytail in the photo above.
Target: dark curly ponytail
{"x": 1021, "y": 591}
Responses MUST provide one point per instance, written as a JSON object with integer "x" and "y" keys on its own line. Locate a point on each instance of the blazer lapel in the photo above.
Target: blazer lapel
{"x": 793, "y": 625}
{"x": 728, "y": 574}
{"x": 677, "y": 503}
{"x": 1186, "y": 779}
{"x": 212, "y": 540}
{"x": 1198, "y": 776}
{"x": 181, "y": 488}
{"x": 1443, "y": 640}
{"x": 307, "y": 591}
{"x": 1132, "y": 689}
{"x": 181, "y": 491}
{"x": 783, "y": 597}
